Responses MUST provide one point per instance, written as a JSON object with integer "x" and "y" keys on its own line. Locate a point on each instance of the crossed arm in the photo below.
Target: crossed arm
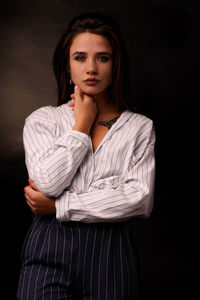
{"x": 131, "y": 196}
{"x": 37, "y": 201}
{"x": 51, "y": 167}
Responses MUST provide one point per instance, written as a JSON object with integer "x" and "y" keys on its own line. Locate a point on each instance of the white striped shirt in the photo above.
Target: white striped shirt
{"x": 114, "y": 183}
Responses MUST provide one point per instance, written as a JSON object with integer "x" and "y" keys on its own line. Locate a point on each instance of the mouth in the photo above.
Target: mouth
{"x": 91, "y": 81}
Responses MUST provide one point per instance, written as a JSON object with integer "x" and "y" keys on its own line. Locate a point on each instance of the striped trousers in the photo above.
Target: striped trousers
{"x": 79, "y": 261}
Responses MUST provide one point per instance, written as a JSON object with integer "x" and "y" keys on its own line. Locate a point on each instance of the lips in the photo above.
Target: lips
{"x": 91, "y": 81}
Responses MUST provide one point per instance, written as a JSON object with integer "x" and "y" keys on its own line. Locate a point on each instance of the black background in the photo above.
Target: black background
{"x": 162, "y": 39}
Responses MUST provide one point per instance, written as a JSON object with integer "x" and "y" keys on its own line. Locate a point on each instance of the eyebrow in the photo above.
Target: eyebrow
{"x": 98, "y": 53}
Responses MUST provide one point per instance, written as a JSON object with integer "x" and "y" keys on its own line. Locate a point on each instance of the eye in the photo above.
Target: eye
{"x": 79, "y": 58}
{"x": 103, "y": 58}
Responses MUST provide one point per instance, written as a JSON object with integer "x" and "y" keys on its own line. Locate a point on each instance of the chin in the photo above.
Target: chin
{"x": 92, "y": 90}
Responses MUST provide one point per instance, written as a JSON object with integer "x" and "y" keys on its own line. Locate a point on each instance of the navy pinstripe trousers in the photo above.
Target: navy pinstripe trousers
{"x": 79, "y": 261}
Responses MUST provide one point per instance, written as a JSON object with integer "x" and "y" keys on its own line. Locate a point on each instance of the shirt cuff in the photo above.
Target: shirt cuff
{"x": 61, "y": 204}
{"x": 73, "y": 135}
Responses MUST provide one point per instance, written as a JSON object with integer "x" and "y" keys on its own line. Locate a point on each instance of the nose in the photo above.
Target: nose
{"x": 91, "y": 68}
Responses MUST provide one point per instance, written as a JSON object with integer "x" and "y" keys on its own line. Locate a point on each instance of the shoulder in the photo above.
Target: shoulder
{"x": 139, "y": 122}
{"x": 141, "y": 129}
{"x": 139, "y": 117}
{"x": 49, "y": 114}
{"x": 42, "y": 113}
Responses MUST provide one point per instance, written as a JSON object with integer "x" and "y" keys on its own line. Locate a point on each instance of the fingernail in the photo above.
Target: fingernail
{"x": 76, "y": 87}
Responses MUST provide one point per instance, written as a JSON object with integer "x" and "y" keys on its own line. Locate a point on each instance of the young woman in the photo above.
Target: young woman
{"x": 91, "y": 166}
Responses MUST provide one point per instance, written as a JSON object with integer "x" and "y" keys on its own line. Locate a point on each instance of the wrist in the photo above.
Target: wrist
{"x": 82, "y": 128}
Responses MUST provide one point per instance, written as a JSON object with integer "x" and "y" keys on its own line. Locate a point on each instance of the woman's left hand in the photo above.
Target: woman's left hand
{"x": 72, "y": 102}
{"x": 38, "y": 202}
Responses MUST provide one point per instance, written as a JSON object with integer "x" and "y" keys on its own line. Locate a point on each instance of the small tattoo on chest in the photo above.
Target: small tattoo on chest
{"x": 107, "y": 124}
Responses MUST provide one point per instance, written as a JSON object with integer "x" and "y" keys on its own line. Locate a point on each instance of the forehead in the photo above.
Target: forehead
{"x": 88, "y": 42}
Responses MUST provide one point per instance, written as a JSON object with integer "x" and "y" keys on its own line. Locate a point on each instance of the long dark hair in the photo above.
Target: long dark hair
{"x": 103, "y": 24}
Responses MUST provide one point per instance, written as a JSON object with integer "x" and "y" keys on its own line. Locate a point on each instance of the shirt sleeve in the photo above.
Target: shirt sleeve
{"x": 131, "y": 197}
{"x": 52, "y": 160}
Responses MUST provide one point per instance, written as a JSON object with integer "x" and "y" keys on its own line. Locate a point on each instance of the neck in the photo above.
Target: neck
{"x": 103, "y": 103}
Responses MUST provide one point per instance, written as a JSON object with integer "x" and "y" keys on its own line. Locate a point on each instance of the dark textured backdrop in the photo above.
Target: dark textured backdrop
{"x": 162, "y": 38}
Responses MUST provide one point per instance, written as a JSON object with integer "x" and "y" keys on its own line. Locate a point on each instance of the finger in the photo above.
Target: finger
{"x": 30, "y": 181}
{"x": 32, "y": 184}
{"x": 72, "y": 95}
{"x": 29, "y": 201}
{"x": 33, "y": 209}
{"x": 27, "y": 189}
{"x": 78, "y": 94}
{"x": 32, "y": 193}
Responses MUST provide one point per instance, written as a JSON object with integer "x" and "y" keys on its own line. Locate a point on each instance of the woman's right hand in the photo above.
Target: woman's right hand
{"x": 84, "y": 107}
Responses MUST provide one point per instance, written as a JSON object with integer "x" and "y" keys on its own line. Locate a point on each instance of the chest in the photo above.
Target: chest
{"x": 97, "y": 135}
{"x": 101, "y": 128}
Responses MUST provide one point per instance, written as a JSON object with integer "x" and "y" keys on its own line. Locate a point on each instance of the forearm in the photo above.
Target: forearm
{"x": 53, "y": 166}
{"x": 104, "y": 206}
{"x": 132, "y": 196}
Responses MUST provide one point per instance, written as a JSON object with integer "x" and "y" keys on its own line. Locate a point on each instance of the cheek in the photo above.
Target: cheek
{"x": 74, "y": 75}
{"x": 109, "y": 71}
{"x": 108, "y": 75}
{"x": 73, "y": 66}
{"x": 76, "y": 71}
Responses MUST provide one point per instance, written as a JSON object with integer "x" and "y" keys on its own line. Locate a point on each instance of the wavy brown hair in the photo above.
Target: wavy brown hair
{"x": 103, "y": 24}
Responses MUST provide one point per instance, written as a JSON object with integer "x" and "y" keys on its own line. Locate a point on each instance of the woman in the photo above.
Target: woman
{"x": 91, "y": 166}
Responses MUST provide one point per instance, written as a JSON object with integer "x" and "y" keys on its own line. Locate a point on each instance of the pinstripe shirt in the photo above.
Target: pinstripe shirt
{"x": 114, "y": 183}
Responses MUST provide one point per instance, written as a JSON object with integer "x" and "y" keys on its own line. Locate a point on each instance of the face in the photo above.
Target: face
{"x": 91, "y": 58}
